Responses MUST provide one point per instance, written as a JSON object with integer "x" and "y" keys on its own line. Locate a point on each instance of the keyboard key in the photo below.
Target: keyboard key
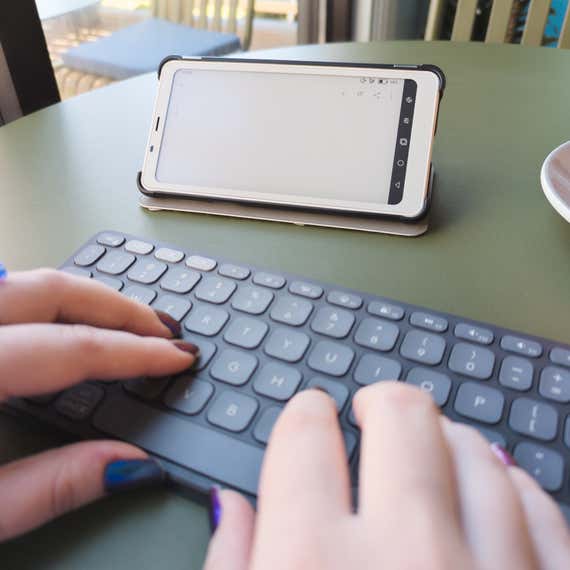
{"x": 234, "y": 271}
{"x": 567, "y": 431}
{"x": 436, "y": 384}
{"x": 425, "y": 348}
{"x": 331, "y": 358}
{"x": 169, "y": 255}
{"x": 474, "y": 333}
{"x": 246, "y": 332}
{"x": 291, "y": 311}
{"x": 110, "y": 239}
{"x": 471, "y": 360}
{"x": 555, "y": 384}
{"x": 78, "y": 402}
{"x": 180, "y": 280}
{"x": 277, "y": 381}
{"x": 201, "y": 263}
{"x": 115, "y": 262}
{"x": 206, "y": 320}
{"x": 372, "y": 368}
{"x": 266, "y": 422}
{"x": 287, "y": 345}
{"x": 253, "y": 300}
{"x": 521, "y": 346}
{"x": 188, "y": 395}
{"x": 269, "y": 280}
{"x": 306, "y": 289}
{"x": 560, "y": 356}
{"x": 193, "y": 446}
{"x": 386, "y": 310}
{"x": 147, "y": 271}
{"x": 333, "y": 322}
{"x": 337, "y": 391}
{"x": 349, "y": 443}
{"x": 76, "y": 271}
{"x": 42, "y": 399}
{"x": 146, "y": 388}
{"x": 89, "y": 255}
{"x": 492, "y": 436}
{"x": 516, "y": 373}
{"x": 139, "y": 247}
{"x": 140, "y": 294}
{"x": 545, "y": 465}
{"x": 533, "y": 418}
{"x": 232, "y": 411}
{"x": 234, "y": 367}
{"x": 347, "y": 300}
{"x": 116, "y": 284}
{"x": 215, "y": 290}
{"x": 176, "y": 307}
{"x": 429, "y": 322}
{"x": 479, "y": 402}
{"x": 207, "y": 351}
{"x": 376, "y": 334}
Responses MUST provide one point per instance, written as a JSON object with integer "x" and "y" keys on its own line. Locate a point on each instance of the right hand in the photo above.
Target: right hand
{"x": 432, "y": 496}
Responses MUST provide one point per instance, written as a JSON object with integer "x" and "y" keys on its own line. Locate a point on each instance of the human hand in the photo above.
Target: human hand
{"x": 57, "y": 330}
{"x": 432, "y": 495}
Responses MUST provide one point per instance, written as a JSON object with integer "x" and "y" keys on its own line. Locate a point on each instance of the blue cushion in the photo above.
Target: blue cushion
{"x": 140, "y": 48}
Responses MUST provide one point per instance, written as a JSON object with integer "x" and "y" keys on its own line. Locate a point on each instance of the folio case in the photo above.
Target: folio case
{"x": 291, "y": 216}
{"x": 348, "y": 221}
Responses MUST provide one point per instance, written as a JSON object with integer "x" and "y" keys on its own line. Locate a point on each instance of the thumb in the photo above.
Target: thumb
{"x": 41, "y": 487}
{"x": 231, "y": 542}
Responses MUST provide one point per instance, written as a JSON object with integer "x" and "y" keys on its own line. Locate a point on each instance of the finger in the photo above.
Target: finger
{"x": 46, "y": 295}
{"x": 492, "y": 515}
{"x": 230, "y": 547}
{"x": 39, "y": 488}
{"x": 304, "y": 478}
{"x": 405, "y": 465}
{"x": 547, "y": 526}
{"x": 45, "y": 358}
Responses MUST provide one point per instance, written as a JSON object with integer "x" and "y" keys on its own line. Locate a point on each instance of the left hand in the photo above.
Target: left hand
{"x": 57, "y": 330}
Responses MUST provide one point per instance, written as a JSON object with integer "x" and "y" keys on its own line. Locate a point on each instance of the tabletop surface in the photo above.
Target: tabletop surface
{"x": 496, "y": 251}
{"x": 53, "y": 8}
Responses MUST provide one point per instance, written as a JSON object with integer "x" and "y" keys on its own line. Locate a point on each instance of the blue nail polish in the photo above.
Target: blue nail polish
{"x": 215, "y": 509}
{"x": 131, "y": 474}
{"x": 3, "y": 272}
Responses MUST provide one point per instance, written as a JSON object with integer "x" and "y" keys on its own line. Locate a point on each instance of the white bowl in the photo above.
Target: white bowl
{"x": 555, "y": 180}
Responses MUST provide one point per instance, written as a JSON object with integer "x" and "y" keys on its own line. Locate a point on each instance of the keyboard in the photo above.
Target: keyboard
{"x": 264, "y": 335}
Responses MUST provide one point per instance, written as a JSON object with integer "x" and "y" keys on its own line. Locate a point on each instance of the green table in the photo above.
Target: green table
{"x": 496, "y": 251}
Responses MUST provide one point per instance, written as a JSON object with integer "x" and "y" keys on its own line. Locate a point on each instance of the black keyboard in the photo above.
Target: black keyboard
{"x": 265, "y": 335}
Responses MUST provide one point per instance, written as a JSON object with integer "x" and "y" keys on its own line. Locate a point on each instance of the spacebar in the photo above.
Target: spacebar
{"x": 209, "y": 452}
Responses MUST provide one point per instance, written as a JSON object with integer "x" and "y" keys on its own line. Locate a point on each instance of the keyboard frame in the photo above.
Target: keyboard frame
{"x": 187, "y": 480}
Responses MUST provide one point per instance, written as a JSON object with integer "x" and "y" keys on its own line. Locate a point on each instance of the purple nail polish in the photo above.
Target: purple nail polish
{"x": 168, "y": 321}
{"x": 504, "y": 456}
{"x": 3, "y": 272}
{"x": 186, "y": 347}
{"x": 215, "y": 508}
{"x": 129, "y": 474}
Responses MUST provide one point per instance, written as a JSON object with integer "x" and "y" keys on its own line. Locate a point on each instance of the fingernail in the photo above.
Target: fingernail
{"x": 504, "y": 456}
{"x": 215, "y": 508}
{"x": 172, "y": 324}
{"x": 3, "y": 272}
{"x": 186, "y": 347}
{"x": 131, "y": 474}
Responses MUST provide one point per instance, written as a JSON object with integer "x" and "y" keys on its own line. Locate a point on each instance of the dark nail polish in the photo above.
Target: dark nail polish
{"x": 504, "y": 456}
{"x": 186, "y": 347}
{"x": 169, "y": 322}
{"x": 215, "y": 508}
{"x": 123, "y": 475}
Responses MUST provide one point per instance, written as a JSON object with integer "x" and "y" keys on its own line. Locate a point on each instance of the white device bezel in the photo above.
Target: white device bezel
{"x": 416, "y": 184}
